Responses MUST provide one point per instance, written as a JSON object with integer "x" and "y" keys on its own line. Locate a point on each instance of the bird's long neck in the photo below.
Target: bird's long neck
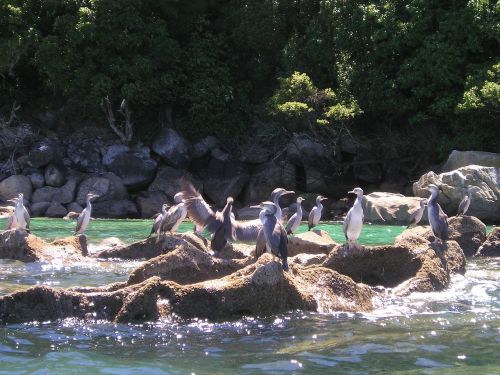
{"x": 299, "y": 209}
{"x": 276, "y": 201}
{"x": 359, "y": 200}
{"x": 433, "y": 198}
{"x": 89, "y": 206}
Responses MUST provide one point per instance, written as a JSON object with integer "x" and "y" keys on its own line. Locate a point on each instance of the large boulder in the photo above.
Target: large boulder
{"x": 134, "y": 166}
{"x": 266, "y": 178}
{"x": 172, "y": 148}
{"x": 458, "y": 159}
{"x": 311, "y": 242}
{"x": 108, "y": 187}
{"x": 115, "y": 209}
{"x": 390, "y": 208}
{"x": 19, "y": 245}
{"x": 224, "y": 179}
{"x": 41, "y": 155}
{"x": 149, "y": 203}
{"x": 204, "y": 146}
{"x": 258, "y": 289}
{"x": 13, "y": 185}
{"x": 85, "y": 155}
{"x": 485, "y": 188}
{"x": 36, "y": 177}
{"x": 169, "y": 181}
{"x": 490, "y": 247}
{"x": 56, "y": 210}
{"x": 55, "y": 175}
{"x": 64, "y": 194}
{"x": 39, "y": 208}
{"x": 468, "y": 231}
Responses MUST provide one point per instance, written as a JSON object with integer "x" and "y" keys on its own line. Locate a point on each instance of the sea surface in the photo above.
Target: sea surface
{"x": 456, "y": 331}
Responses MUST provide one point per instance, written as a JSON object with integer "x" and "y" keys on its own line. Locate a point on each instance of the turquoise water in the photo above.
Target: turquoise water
{"x": 456, "y": 331}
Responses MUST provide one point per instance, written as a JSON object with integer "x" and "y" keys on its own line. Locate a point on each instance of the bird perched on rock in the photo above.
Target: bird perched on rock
{"x": 272, "y": 237}
{"x": 174, "y": 216}
{"x": 315, "y": 214}
{"x": 157, "y": 223}
{"x": 465, "y": 203}
{"x": 276, "y": 194}
{"x": 204, "y": 217}
{"x": 294, "y": 221}
{"x": 437, "y": 218}
{"x": 20, "y": 218}
{"x": 353, "y": 222}
{"x": 416, "y": 216}
{"x": 83, "y": 219}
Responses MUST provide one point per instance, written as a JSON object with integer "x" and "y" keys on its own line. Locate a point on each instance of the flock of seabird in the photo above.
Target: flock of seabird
{"x": 267, "y": 232}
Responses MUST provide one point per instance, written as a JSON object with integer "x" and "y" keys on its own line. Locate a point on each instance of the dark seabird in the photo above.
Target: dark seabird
{"x": 465, "y": 203}
{"x": 159, "y": 218}
{"x": 204, "y": 217}
{"x": 437, "y": 218}
{"x": 84, "y": 217}
{"x": 275, "y": 197}
{"x": 416, "y": 216}
{"x": 272, "y": 236}
{"x": 174, "y": 216}
{"x": 315, "y": 214}
{"x": 294, "y": 221}
{"x": 353, "y": 222}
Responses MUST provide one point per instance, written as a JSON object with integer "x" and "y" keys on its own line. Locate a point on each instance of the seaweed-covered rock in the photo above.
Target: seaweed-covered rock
{"x": 490, "y": 247}
{"x": 311, "y": 242}
{"x": 19, "y": 245}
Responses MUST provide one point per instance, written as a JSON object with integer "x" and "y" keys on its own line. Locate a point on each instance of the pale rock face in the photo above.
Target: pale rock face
{"x": 391, "y": 208}
{"x": 484, "y": 183}
{"x": 458, "y": 159}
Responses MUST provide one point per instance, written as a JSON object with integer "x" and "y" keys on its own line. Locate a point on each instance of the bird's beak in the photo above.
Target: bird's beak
{"x": 257, "y": 206}
{"x": 324, "y": 198}
{"x": 288, "y": 192}
{"x": 351, "y": 192}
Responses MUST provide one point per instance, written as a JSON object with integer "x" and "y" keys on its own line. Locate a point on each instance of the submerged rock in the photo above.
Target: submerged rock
{"x": 20, "y": 245}
{"x": 490, "y": 247}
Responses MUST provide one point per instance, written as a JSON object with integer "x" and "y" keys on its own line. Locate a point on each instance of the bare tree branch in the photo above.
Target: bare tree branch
{"x": 125, "y": 131}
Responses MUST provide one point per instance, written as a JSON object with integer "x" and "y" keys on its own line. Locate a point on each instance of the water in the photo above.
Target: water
{"x": 456, "y": 331}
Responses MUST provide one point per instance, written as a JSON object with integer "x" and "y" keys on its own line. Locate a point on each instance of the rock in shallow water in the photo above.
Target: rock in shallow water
{"x": 490, "y": 247}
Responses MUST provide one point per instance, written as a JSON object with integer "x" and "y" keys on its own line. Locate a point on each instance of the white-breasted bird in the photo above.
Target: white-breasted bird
{"x": 353, "y": 222}
{"x": 465, "y": 203}
{"x": 315, "y": 214}
{"x": 84, "y": 218}
{"x": 294, "y": 221}
{"x": 20, "y": 218}
{"x": 416, "y": 215}
{"x": 276, "y": 194}
{"x": 175, "y": 215}
{"x": 157, "y": 223}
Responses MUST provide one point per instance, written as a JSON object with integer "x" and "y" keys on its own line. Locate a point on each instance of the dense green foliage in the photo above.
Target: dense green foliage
{"x": 404, "y": 67}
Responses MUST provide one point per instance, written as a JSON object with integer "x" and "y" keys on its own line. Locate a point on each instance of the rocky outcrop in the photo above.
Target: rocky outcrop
{"x": 261, "y": 288}
{"x": 169, "y": 181}
{"x": 485, "y": 188}
{"x": 266, "y": 178}
{"x": 468, "y": 231}
{"x": 85, "y": 155}
{"x": 153, "y": 247}
{"x": 490, "y": 247}
{"x": 41, "y": 155}
{"x": 149, "y": 203}
{"x": 64, "y": 194}
{"x": 311, "y": 242}
{"x": 56, "y": 210}
{"x": 19, "y": 245}
{"x": 115, "y": 209}
{"x": 55, "y": 175}
{"x": 459, "y": 159}
{"x": 187, "y": 265}
{"x": 13, "y": 185}
{"x": 390, "y": 208}
{"x": 408, "y": 266}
